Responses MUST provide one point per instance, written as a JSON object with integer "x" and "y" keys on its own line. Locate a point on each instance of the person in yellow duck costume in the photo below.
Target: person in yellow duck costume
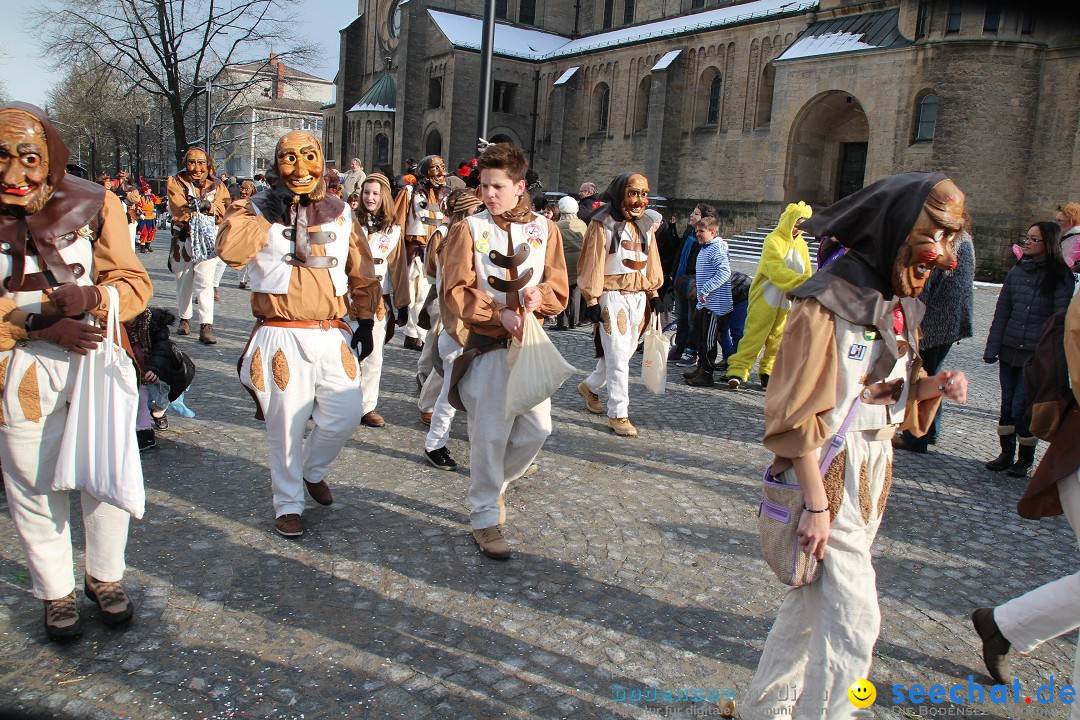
{"x": 784, "y": 266}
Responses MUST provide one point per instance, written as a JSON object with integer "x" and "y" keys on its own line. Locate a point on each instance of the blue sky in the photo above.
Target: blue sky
{"x": 27, "y": 77}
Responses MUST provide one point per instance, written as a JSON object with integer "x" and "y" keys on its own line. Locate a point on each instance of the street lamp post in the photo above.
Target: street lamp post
{"x": 138, "y": 147}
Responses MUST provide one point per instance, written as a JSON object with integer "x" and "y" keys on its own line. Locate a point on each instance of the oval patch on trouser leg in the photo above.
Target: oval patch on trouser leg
{"x": 280, "y": 365}
{"x": 622, "y": 321}
{"x": 258, "y": 380}
{"x": 348, "y": 361}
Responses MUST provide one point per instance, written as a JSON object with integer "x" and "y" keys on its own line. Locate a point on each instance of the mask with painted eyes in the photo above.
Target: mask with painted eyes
{"x": 299, "y": 161}
{"x": 635, "y": 197}
{"x": 24, "y": 162}
{"x": 932, "y": 240}
{"x": 433, "y": 170}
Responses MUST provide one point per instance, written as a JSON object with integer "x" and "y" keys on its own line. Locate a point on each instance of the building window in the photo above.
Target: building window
{"x": 502, "y": 100}
{"x": 992, "y": 19}
{"x": 1027, "y": 22}
{"x": 927, "y": 118}
{"x": 922, "y": 23}
{"x": 433, "y": 146}
{"x": 628, "y": 12}
{"x": 697, "y": 4}
{"x": 609, "y": 13}
{"x": 527, "y": 12}
{"x": 641, "y": 108}
{"x": 434, "y": 93}
{"x": 502, "y": 12}
{"x": 956, "y": 14}
{"x": 601, "y": 100}
{"x": 716, "y": 93}
{"x": 382, "y": 150}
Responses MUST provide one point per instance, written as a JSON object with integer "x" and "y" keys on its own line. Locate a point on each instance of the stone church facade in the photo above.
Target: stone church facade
{"x": 745, "y": 105}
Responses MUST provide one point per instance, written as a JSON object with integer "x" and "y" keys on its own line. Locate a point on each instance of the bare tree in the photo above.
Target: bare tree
{"x": 168, "y": 49}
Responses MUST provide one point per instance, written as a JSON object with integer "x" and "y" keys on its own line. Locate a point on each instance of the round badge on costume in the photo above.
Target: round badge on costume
{"x": 532, "y": 234}
{"x": 482, "y": 245}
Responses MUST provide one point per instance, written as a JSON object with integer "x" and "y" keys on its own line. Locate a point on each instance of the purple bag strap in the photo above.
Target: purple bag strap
{"x": 838, "y": 439}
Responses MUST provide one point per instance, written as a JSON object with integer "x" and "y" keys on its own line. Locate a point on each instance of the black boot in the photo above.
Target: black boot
{"x": 1025, "y": 457}
{"x": 1008, "y": 450}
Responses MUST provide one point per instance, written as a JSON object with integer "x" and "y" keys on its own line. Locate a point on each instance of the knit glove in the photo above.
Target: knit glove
{"x": 273, "y": 202}
{"x": 402, "y": 317}
{"x": 73, "y": 300}
{"x": 656, "y": 304}
{"x": 362, "y": 337}
{"x": 592, "y": 313}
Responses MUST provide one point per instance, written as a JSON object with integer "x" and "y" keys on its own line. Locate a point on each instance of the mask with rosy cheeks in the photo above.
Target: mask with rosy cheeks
{"x": 24, "y": 162}
{"x": 197, "y": 166}
{"x": 635, "y": 197}
{"x": 433, "y": 169}
{"x": 932, "y": 241}
{"x": 299, "y": 162}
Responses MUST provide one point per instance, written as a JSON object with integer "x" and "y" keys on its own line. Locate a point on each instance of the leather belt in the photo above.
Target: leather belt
{"x": 305, "y": 324}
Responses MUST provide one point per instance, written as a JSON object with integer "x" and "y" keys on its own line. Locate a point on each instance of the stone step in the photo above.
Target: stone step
{"x": 747, "y": 245}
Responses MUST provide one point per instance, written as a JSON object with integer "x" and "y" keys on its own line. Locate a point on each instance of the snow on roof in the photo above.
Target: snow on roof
{"x": 872, "y": 31}
{"x": 511, "y": 41}
{"x": 665, "y": 61}
{"x": 466, "y": 32}
{"x": 565, "y": 77}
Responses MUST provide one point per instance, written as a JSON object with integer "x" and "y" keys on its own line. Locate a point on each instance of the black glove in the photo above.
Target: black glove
{"x": 273, "y": 202}
{"x": 592, "y": 313}
{"x": 656, "y": 304}
{"x": 402, "y": 317}
{"x": 362, "y": 337}
{"x": 990, "y": 359}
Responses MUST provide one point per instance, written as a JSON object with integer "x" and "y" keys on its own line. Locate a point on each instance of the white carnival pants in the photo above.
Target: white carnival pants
{"x": 371, "y": 371}
{"x": 418, "y": 291}
{"x": 196, "y": 280}
{"x": 36, "y": 389}
{"x": 443, "y": 412}
{"x": 301, "y": 373}
{"x": 1052, "y": 609}
{"x": 824, "y": 634}
{"x": 500, "y": 449}
{"x": 621, "y": 318}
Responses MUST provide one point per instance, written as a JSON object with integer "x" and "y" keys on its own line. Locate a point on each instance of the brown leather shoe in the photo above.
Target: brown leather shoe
{"x": 492, "y": 543}
{"x": 289, "y": 525}
{"x": 184, "y": 328}
{"x": 319, "y": 492}
{"x": 115, "y": 606}
{"x": 206, "y": 334}
{"x": 622, "y": 427}
{"x": 62, "y": 621}
{"x": 425, "y": 417}
{"x": 592, "y": 400}
{"x": 995, "y": 649}
{"x": 373, "y": 419}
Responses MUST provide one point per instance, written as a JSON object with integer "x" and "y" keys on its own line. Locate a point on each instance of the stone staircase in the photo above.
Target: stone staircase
{"x": 747, "y": 246}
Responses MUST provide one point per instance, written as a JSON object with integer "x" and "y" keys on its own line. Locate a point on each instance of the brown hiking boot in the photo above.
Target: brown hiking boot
{"x": 115, "y": 606}
{"x": 289, "y": 525}
{"x": 373, "y": 419}
{"x": 995, "y": 648}
{"x": 492, "y": 543}
{"x": 206, "y": 334}
{"x": 622, "y": 427}
{"x": 319, "y": 492}
{"x": 62, "y": 621}
{"x": 592, "y": 400}
{"x": 184, "y": 328}
{"x": 703, "y": 379}
{"x": 425, "y": 417}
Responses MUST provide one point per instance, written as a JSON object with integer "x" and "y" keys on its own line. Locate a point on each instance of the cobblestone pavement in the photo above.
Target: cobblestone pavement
{"x": 635, "y": 564}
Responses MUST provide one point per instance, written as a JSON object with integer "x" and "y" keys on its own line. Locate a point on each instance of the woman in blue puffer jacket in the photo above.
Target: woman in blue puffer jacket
{"x": 1038, "y": 285}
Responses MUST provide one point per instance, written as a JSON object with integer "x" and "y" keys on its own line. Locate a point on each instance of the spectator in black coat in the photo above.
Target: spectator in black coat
{"x": 148, "y": 333}
{"x": 1036, "y": 287}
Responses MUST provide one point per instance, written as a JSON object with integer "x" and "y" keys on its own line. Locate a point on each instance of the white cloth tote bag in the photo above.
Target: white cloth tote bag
{"x": 536, "y": 369}
{"x": 654, "y": 361}
{"x": 99, "y": 453}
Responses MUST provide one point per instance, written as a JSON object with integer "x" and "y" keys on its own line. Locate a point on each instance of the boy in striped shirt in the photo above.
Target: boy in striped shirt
{"x": 713, "y": 301}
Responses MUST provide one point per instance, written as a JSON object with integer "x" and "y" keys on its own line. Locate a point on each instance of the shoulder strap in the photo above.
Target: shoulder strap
{"x": 838, "y": 439}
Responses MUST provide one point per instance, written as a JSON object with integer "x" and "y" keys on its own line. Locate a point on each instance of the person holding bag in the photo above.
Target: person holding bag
{"x": 308, "y": 269}
{"x": 498, "y": 265}
{"x": 66, "y": 242}
{"x": 858, "y": 321}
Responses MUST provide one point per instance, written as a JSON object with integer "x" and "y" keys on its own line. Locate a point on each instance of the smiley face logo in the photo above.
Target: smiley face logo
{"x": 862, "y": 693}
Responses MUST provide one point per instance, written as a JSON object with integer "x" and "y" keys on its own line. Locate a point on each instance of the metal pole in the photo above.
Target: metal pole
{"x": 93, "y": 160}
{"x": 138, "y": 148}
{"x": 209, "y": 151}
{"x": 487, "y": 42}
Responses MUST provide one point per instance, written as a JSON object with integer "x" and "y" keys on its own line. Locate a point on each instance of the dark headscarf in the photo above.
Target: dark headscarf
{"x": 74, "y": 203}
{"x": 610, "y": 215}
{"x": 873, "y": 224}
